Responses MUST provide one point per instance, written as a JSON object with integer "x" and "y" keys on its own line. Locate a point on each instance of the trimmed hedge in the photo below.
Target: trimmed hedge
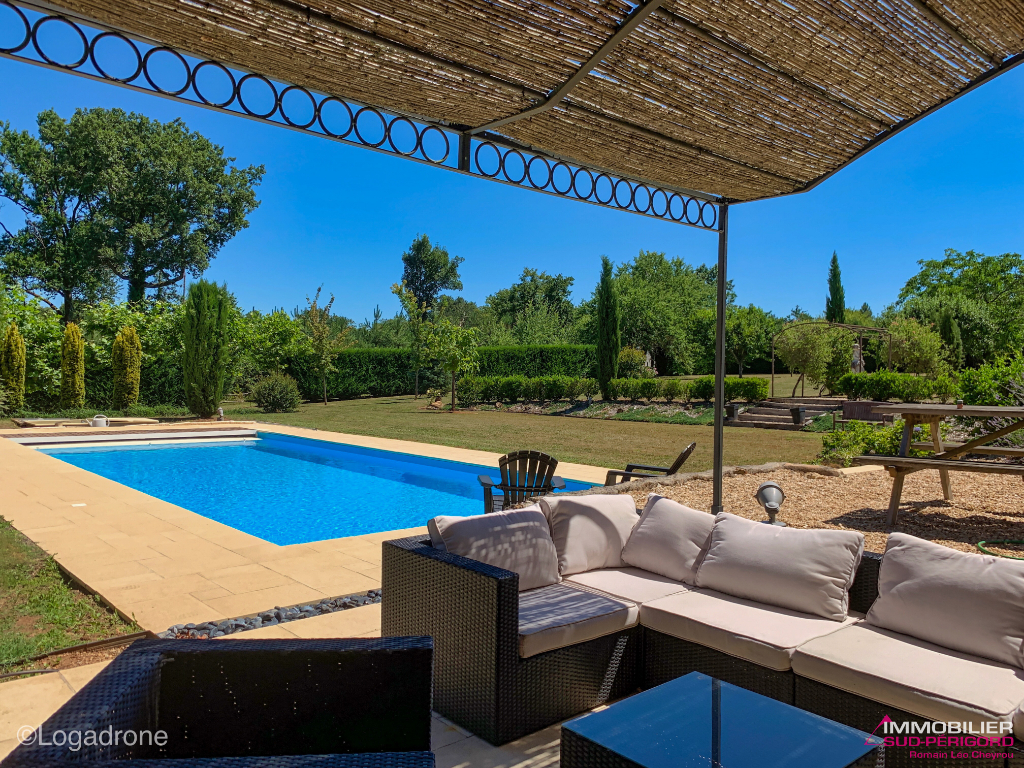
{"x": 749, "y": 388}
{"x": 575, "y": 360}
{"x": 905, "y": 387}
{"x": 510, "y": 389}
{"x": 375, "y": 372}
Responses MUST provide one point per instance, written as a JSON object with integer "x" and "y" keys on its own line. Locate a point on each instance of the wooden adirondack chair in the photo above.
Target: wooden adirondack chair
{"x": 523, "y": 474}
{"x": 616, "y": 476}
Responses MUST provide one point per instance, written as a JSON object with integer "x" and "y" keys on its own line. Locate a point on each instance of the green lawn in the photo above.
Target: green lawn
{"x": 39, "y": 610}
{"x": 609, "y": 443}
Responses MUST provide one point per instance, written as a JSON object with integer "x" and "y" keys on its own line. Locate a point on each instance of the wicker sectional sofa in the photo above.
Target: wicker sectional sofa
{"x": 510, "y": 662}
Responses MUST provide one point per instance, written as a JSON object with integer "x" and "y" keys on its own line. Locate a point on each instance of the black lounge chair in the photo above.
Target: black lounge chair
{"x": 524, "y": 474}
{"x": 616, "y": 476}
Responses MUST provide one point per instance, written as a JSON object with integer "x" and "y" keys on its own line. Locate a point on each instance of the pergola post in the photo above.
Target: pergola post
{"x": 723, "y": 252}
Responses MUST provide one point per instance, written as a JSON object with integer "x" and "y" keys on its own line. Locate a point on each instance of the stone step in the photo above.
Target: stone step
{"x": 828, "y": 402}
{"x": 764, "y": 424}
{"x": 759, "y": 410}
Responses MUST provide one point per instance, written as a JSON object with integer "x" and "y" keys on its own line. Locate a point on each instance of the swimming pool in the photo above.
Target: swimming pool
{"x": 292, "y": 490}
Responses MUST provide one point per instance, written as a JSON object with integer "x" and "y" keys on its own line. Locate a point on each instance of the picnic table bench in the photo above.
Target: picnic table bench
{"x": 946, "y": 455}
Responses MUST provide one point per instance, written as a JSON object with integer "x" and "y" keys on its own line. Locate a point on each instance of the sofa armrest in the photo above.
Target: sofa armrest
{"x": 471, "y": 609}
{"x": 865, "y": 584}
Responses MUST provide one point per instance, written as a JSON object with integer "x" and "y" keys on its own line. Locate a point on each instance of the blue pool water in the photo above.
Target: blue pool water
{"x": 291, "y": 490}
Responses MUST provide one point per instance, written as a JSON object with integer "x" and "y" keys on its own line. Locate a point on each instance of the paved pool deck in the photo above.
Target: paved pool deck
{"x": 162, "y": 565}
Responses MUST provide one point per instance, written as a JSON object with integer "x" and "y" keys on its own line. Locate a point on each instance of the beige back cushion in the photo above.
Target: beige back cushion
{"x": 970, "y": 603}
{"x": 589, "y": 531}
{"x": 516, "y": 541}
{"x": 803, "y": 570}
{"x": 669, "y": 539}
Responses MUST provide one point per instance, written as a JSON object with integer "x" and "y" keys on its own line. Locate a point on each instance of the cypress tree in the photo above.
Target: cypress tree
{"x": 205, "y": 334}
{"x": 72, "y": 368}
{"x": 609, "y": 341}
{"x": 835, "y": 302}
{"x": 949, "y": 330}
{"x": 126, "y": 359}
{"x": 12, "y": 368}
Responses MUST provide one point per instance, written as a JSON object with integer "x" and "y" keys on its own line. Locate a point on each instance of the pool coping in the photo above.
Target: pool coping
{"x": 161, "y": 565}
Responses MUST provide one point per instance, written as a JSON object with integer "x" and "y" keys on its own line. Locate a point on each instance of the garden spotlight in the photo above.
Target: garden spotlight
{"x": 770, "y": 496}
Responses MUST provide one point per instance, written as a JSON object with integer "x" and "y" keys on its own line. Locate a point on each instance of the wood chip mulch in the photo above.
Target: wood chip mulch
{"x": 984, "y": 507}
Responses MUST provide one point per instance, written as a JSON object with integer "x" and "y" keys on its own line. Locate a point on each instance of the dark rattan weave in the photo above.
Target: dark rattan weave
{"x": 472, "y": 611}
{"x": 349, "y": 703}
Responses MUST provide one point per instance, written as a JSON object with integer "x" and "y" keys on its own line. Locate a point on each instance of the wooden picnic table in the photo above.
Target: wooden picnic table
{"x": 946, "y": 455}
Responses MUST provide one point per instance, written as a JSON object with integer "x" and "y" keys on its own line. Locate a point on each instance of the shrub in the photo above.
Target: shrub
{"x": 576, "y": 360}
{"x": 556, "y": 387}
{"x": 944, "y": 387}
{"x": 468, "y": 390}
{"x": 126, "y": 361}
{"x": 612, "y": 389}
{"x": 12, "y": 369}
{"x": 512, "y": 388}
{"x": 703, "y": 389}
{"x": 860, "y": 437}
{"x": 276, "y": 393}
{"x": 989, "y": 384}
{"x": 648, "y": 389}
{"x": 632, "y": 363}
{"x": 672, "y": 389}
{"x": 748, "y": 388}
{"x": 589, "y": 387}
{"x": 72, "y": 368}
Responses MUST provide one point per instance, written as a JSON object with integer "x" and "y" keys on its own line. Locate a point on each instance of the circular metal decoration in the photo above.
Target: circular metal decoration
{"x": 659, "y": 196}
{"x": 576, "y": 187}
{"x": 61, "y": 20}
{"x": 529, "y": 172}
{"x": 554, "y": 183}
{"x": 615, "y": 193}
{"x": 312, "y": 104}
{"x": 704, "y": 207}
{"x": 636, "y": 201}
{"x": 497, "y": 155}
{"x": 241, "y": 101}
{"x": 27, "y": 38}
{"x": 611, "y": 189}
{"x": 320, "y": 117}
{"x": 121, "y": 38}
{"x": 504, "y": 166}
{"x": 383, "y": 126}
{"x": 199, "y": 93}
{"x": 391, "y": 136}
{"x": 181, "y": 59}
{"x": 423, "y": 144}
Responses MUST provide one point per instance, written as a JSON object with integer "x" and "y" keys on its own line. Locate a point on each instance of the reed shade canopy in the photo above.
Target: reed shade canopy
{"x": 738, "y": 100}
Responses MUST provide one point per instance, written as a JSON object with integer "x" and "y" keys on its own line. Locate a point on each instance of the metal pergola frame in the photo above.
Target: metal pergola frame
{"x": 472, "y": 150}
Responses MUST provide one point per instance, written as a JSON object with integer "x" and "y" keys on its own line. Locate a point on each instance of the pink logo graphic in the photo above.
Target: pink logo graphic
{"x": 885, "y": 720}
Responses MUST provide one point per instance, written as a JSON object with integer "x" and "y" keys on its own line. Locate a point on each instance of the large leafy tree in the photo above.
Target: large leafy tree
{"x": 172, "y": 200}
{"x": 835, "y": 302}
{"x": 748, "y": 333}
{"x": 428, "y": 270}
{"x": 534, "y": 290}
{"x": 997, "y": 282}
{"x": 57, "y": 181}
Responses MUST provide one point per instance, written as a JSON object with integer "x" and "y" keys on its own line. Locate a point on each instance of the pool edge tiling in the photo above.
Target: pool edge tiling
{"x": 162, "y": 565}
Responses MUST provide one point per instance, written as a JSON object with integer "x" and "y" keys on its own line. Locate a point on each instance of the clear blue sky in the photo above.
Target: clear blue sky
{"x": 342, "y": 216}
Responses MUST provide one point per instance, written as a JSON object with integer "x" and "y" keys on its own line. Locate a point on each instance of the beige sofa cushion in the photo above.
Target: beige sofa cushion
{"x": 560, "y": 615}
{"x": 810, "y": 571}
{"x": 669, "y": 539}
{"x": 590, "y": 531}
{"x": 762, "y": 634}
{"x": 967, "y": 602}
{"x": 910, "y": 674}
{"x": 518, "y": 541}
{"x": 633, "y": 584}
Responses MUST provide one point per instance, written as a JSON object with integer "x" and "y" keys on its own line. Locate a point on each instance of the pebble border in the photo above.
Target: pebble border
{"x": 210, "y": 630}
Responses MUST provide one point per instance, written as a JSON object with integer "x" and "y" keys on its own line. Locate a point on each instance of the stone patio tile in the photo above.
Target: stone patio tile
{"x": 158, "y": 615}
{"x": 136, "y": 523}
{"x": 265, "y": 552}
{"x": 77, "y": 677}
{"x": 145, "y": 590}
{"x": 192, "y": 557}
{"x": 382, "y": 536}
{"x": 30, "y": 701}
{"x": 367, "y": 551}
{"x": 247, "y": 578}
{"x": 354, "y": 622}
{"x": 369, "y": 569}
{"x": 135, "y": 552}
{"x": 444, "y": 733}
{"x": 210, "y": 594}
{"x": 276, "y": 632}
{"x": 326, "y": 571}
{"x": 263, "y": 599}
{"x": 538, "y": 750}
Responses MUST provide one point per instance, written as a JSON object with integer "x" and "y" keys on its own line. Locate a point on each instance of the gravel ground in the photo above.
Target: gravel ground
{"x": 985, "y": 507}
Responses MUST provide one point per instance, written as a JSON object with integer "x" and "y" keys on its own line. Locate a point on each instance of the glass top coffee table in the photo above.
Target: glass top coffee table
{"x": 698, "y": 722}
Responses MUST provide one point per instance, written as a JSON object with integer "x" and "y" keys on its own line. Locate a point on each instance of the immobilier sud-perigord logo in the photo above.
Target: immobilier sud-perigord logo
{"x": 951, "y": 736}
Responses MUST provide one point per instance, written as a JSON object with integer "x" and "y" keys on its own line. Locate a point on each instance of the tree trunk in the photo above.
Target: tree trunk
{"x": 795, "y": 383}
{"x": 417, "y": 384}
{"x": 137, "y": 289}
{"x": 453, "y": 391}
{"x": 68, "y": 310}
{"x": 739, "y": 366}
{"x": 325, "y": 389}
